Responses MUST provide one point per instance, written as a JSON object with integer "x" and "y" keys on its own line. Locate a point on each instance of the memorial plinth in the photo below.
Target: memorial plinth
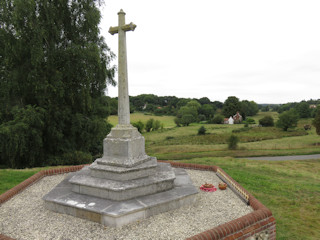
{"x": 125, "y": 184}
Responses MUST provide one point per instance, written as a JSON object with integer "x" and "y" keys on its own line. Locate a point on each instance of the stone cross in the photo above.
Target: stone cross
{"x": 123, "y": 94}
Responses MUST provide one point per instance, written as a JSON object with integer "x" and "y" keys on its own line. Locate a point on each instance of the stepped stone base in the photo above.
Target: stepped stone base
{"x": 118, "y": 213}
{"x": 99, "y": 169}
{"x": 162, "y": 180}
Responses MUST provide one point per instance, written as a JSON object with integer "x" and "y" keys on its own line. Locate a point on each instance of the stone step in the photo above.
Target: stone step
{"x": 162, "y": 180}
{"x": 118, "y": 213}
{"x": 143, "y": 170}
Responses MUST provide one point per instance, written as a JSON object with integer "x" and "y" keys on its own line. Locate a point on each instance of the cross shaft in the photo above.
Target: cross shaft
{"x": 123, "y": 93}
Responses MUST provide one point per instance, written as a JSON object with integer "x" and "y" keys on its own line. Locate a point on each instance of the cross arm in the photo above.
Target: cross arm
{"x": 127, "y": 27}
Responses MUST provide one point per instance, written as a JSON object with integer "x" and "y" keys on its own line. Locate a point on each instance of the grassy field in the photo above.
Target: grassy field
{"x": 135, "y": 117}
{"x": 291, "y": 189}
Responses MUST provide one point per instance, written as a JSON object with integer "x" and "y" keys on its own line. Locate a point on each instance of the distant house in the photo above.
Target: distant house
{"x": 226, "y": 121}
{"x": 237, "y": 118}
{"x": 230, "y": 121}
{"x": 313, "y": 106}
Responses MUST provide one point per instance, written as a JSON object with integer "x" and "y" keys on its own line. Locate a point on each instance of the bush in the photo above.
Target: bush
{"x": 149, "y": 125}
{"x": 156, "y": 125}
{"x": 139, "y": 125}
{"x": 202, "y": 130}
{"x": 233, "y": 141}
{"x": 177, "y": 121}
{"x": 218, "y": 119}
{"x": 187, "y": 119}
{"x": 266, "y": 121}
{"x": 249, "y": 121}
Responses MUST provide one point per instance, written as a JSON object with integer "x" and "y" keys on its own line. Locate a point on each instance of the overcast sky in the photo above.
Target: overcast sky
{"x": 265, "y": 51}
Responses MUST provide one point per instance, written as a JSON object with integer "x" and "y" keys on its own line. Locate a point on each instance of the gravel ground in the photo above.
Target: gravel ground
{"x": 24, "y": 216}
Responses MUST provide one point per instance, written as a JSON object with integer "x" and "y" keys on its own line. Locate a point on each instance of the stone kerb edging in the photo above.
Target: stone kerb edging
{"x": 241, "y": 228}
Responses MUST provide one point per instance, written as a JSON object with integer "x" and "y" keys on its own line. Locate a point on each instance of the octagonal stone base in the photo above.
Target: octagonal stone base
{"x": 118, "y": 213}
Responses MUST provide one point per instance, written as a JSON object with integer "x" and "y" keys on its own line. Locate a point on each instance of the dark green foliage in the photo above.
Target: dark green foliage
{"x": 266, "y": 121}
{"x": 207, "y": 110}
{"x": 316, "y": 121}
{"x": 156, "y": 125}
{"x": 288, "y": 119}
{"x": 303, "y": 110}
{"x": 187, "y": 119}
{"x": 249, "y": 121}
{"x": 54, "y": 70}
{"x": 231, "y": 106}
{"x": 177, "y": 121}
{"x": 248, "y": 108}
{"x": 202, "y": 130}
{"x": 149, "y": 125}
{"x": 139, "y": 125}
{"x": 233, "y": 141}
{"x": 218, "y": 119}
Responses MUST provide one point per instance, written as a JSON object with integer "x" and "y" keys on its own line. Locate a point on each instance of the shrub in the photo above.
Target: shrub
{"x": 139, "y": 125}
{"x": 177, "y": 121}
{"x": 202, "y": 130}
{"x": 249, "y": 121}
{"x": 149, "y": 125}
{"x": 266, "y": 121}
{"x": 156, "y": 125}
{"x": 218, "y": 119}
{"x": 233, "y": 141}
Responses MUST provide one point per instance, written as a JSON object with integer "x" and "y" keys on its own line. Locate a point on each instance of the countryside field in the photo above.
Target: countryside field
{"x": 291, "y": 189}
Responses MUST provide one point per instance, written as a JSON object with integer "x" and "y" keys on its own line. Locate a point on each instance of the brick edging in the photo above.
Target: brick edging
{"x": 240, "y": 228}
{"x": 34, "y": 178}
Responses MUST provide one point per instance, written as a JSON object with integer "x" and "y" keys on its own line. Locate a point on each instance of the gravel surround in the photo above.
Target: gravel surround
{"x": 33, "y": 221}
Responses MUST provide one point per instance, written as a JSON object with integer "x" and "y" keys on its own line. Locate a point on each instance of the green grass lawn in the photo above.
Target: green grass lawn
{"x": 135, "y": 117}
{"x": 290, "y": 189}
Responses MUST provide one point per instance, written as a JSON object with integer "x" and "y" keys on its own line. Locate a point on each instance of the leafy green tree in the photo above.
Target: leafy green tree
{"x": 187, "y": 119}
{"x": 187, "y": 115}
{"x": 316, "y": 121}
{"x": 266, "y": 121}
{"x": 288, "y": 119}
{"x": 204, "y": 100}
{"x": 303, "y": 109}
{"x": 207, "y": 110}
{"x": 231, "y": 106}
{"x": 248, "y": 108}
{"x": 54, "y": 70}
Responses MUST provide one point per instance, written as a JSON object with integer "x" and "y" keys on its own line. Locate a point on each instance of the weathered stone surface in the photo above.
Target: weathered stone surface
{"x": 118, "y": 213}
{"x": 124, "y": 146}
{"x": 123, "y": 173}
{"x": 162, "y": 180}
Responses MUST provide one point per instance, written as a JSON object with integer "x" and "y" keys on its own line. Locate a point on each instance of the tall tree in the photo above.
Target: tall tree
{"x": 316, "y": 121}
{"x": 54, "y": 71}
{"x": 288, "y": 119}
{"x": 231, "y": 106}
